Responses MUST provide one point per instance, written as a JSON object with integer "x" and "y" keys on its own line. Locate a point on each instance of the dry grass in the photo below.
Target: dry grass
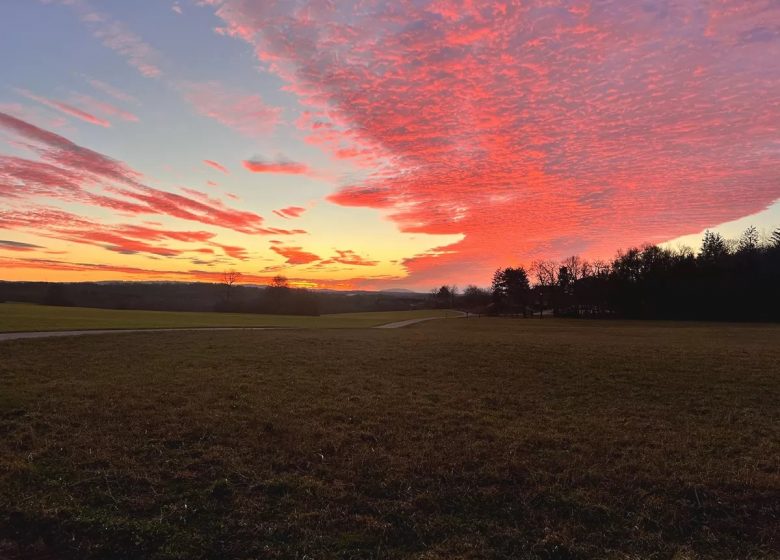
{"x": 472, "y": 438}
{"x": 17, "y": 317}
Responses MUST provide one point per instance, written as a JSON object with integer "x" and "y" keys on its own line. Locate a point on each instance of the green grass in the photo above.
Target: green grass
{"x": 479, "y": 438}
{"x": 16, "y": 317}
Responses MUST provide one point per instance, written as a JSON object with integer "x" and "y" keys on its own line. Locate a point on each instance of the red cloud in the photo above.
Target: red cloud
{"x": 531, "y": 129}
{"x": 216, "y": 165}
{"x": 290, "y": 212}
{"x": 122, "y": 238}
{"x": 244, "y": 112}
{"x": 295, "y": 255}
{"x": 68, "y": 172}
{"x": 65, "y": 108}
{"x": 257, "y": 165}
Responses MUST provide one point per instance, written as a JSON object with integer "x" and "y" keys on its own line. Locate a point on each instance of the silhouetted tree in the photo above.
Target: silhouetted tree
{"x": 229, "y": 279}
{"x": 475, "y": 299}
{"x": 444, "y": 297}
{"x": 775, "y": 238}
{"x": 511, "y": 290}
{"x": 748, "y": 242}
{"x": 713, "y": 247}
{"x": 546, "y": 283}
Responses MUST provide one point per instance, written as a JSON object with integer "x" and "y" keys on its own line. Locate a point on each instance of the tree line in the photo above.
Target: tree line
{"x": 229, "y": 295}
{"x": 725, "y": 280}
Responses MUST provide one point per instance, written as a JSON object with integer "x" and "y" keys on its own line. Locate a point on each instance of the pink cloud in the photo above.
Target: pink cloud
{"x": 290, "y": 212}
{"x": 33, "y": 114}
{"x": 65, "y": 108}
{"x": 111, "y": 91}
{"x": 106, "y": 108}
{"x": 257, "y": 165}
{"x": 114, "y": 35}
{"x": 246, "y": 113}
{"x": 216, "y": 165}
{"x": 121, "y": 238}
{"x": 72, "y": 173}
{"x": 531, "y": 129}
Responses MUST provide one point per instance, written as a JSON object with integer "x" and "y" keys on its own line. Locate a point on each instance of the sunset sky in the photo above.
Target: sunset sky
{"x": 369, "y": 144}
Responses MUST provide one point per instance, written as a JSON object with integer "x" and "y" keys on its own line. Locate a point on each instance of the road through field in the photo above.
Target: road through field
{"x": 81, "y": 332}
{"x": 401, "y": 324}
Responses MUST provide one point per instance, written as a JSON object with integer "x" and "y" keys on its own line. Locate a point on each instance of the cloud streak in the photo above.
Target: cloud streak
{"x": 290, "y": 212}
{"x": 65, "y": 108}
{"x": 114, "y": 35}
{"x": 215, "y": 165}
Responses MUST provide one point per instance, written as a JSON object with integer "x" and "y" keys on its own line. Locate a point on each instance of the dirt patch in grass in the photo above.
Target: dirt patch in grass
{"x": 480, "y": 438}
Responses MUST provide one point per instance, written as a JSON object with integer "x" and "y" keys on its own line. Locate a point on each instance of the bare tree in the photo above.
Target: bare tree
{"x": 576, "y": 267}
{"x": 546, "y": 280}
{"x": 229, "y": 279}
{"x": 279, "y": 281}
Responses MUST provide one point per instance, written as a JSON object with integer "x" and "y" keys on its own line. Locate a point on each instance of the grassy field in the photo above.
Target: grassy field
{"x": 16, "y": 317}
{"x": 478, "y": 438}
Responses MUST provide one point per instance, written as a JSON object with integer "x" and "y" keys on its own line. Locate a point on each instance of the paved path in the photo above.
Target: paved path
{"x": 50, "y": 334}
{"x": 401, "y": 324}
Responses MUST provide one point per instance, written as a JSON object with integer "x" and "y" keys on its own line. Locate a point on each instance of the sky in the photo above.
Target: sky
{"x": 377, "y": 145}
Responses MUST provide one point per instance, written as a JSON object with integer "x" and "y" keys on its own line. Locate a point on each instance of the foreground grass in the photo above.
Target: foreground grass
{"x": 17, "y": 317}
{"x": 479, "y": 438}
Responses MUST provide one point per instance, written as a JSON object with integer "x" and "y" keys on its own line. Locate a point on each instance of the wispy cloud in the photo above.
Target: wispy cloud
{"x": 290, "y": 212}
{"x": 65, "y": 108}
{"x": 18, "y": 245}
{"x": 114, "y": 35}
{"x": 105, "y": 108}
{"x": 244, "y": 112}
{"x": 73, "y": 173}
{"x": 112, "y": 91}
{"x": 213, "y": 164}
